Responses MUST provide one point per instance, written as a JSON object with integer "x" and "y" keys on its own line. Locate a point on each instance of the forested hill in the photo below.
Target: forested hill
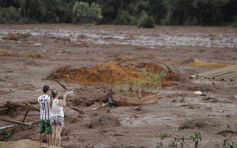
{"x": 127, "y": 12}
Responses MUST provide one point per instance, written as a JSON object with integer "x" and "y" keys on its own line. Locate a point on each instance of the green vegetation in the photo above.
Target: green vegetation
{"x": 151, "y": 80}
{"x": 180, "y": 142}
{"x": 145, "y": 21}
{"x": 162, "y": 12}
{"x": 86, "y": 14}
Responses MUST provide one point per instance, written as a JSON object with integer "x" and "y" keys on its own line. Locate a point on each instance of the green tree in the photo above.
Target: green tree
{"x": 9, "y": 15}
{"x": 86, "y": 14}
{"x": 145, "y": 21}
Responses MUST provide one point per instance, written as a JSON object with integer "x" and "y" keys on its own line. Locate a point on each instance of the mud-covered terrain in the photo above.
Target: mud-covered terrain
{"x": 23, "y": 73}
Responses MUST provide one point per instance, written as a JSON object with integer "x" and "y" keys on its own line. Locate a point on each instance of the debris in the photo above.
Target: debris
{"x": 76, "y": 109}
{"x": 63, "y": 86}
{"x": 24, "y": 55}
{"x": 27, "y": 111}
{"x": 227, "y": 73}
{"x": 235, "y": 96}
{"x": 140, "y": 108}
{"x": 135, "y": 101}
{"x": 110, "y": 100}
{"x": 21, "y": 104}
{"x": 102, "y": 105}
{"x": 8, "y": 126}
{"x": 6, "y": 92}
{"x": 17, "y": 122}
{"x": 199, "y": 93}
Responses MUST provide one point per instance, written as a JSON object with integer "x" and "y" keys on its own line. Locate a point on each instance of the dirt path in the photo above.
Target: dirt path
{"x": 214, "y": 115}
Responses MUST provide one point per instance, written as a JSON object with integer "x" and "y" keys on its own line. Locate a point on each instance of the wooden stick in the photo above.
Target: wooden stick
{"x": 76, "y": 109}
{"x": 27, "y": 111}
{"x": 32, "y": 101}
{"x": 17, "y": 122}
{"x": 63, "y": 86}
{"x": 7, "y": 92}
{"x": 31, "y": 107}
{"x": 23, "y": 105}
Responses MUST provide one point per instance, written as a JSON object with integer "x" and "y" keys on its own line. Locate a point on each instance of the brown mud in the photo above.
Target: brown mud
{"x": 90, "y": 50}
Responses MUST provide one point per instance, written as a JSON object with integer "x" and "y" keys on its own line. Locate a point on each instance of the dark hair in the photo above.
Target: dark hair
{"x": 45, "y": 88}
{"x": 54, "y": 93}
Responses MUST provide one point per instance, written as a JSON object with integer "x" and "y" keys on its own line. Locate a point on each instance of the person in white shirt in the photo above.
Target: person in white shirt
{"x": 57, "y": 117}
{"x": 44, "y": 125}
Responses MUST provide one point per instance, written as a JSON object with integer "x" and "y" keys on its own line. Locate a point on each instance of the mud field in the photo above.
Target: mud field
{"x": 34, "y": 55}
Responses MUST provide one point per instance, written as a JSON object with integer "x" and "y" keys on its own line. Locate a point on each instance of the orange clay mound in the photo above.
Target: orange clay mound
{"x": 16, "y": 36}
{"x": 152, "y": 68}
{"x": 113, "y": 73}
{"x": 25, "y": 55}
{"x": 171, "y": 76}
{"x": 109, "y": 73}
{"x": 4, "y": 53}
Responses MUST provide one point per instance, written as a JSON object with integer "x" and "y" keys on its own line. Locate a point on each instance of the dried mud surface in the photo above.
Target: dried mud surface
{"x": 215, "y": 115}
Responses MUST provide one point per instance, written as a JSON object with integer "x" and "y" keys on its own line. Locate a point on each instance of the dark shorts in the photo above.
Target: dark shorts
{"x": 57, "y": 121}
{"x": 44, "y": 127}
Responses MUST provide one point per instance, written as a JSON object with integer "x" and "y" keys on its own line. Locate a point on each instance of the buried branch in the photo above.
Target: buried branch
{"x": 17, "y": 122}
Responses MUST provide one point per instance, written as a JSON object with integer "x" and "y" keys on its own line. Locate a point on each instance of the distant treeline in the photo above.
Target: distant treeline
{"x": 126, "y": 12}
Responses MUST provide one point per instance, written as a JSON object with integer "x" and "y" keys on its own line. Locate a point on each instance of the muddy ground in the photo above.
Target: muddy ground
{"x": 214, "y": 115}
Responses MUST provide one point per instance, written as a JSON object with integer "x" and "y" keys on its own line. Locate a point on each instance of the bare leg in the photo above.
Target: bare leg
{"x": 40, "y": 135}
{"x": 58, "y": 136}
{"x": 48, "y": 137}
{"x": 54, "y": 135}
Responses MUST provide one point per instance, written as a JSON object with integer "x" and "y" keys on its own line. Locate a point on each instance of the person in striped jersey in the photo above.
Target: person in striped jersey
{"x": 44, "y": 126}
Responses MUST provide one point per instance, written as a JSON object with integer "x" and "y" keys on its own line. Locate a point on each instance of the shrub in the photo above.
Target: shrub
{"x": 86, "y": 14}
{"x": 125, "y": 18}
{"x": 145, "y": 21}
{"x": 9, "y": 15}
{"x": 191, "y": 21}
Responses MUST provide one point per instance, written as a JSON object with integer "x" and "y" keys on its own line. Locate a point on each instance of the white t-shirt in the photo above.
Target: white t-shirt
{"x": 55, "y": 109}
{"x": 44, "y": 100}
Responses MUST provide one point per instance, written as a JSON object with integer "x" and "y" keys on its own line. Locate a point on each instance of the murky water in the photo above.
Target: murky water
{"x": 132, "y": 38}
